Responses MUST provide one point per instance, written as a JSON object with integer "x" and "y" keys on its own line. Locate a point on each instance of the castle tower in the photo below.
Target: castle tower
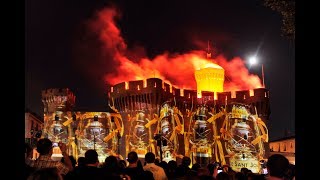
{"x": 57, "y": 100}
{"x": 209, "y": 78}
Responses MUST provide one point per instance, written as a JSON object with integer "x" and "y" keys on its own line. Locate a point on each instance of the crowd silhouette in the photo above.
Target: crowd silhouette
{"x": 89, "y": 167}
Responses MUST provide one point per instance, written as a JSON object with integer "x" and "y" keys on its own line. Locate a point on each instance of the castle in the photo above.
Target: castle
{"x": 128, "y": 99}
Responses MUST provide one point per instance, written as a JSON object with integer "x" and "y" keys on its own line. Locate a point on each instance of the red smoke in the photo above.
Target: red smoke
{"x": 178, "y": 69}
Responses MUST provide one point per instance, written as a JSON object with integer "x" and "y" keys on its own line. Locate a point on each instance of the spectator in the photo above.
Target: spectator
{"x": 157, "y": 171}
{"x": 223, "y": 176}
{"x": 73, "y": 161}
{"x": 46, "y": 173}
{"x": 90, "y": 170}
{"x": 172, "y": 166}
{"x": 44, "y": 148}
{"x": 184, "y": 168}
{"x": 135, "y": 169}
{"x": 81, "y": 162}
{"x": 111, "y": 167}
{"x": 277, "y": 166}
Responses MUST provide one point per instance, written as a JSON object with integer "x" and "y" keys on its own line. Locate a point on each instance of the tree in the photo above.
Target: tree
{"x": 287, "y": 9}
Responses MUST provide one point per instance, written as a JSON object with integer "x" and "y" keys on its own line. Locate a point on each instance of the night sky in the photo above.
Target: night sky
{"x": 62, "y": 52}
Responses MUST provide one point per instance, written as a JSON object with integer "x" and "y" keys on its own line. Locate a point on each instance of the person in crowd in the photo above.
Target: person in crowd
{"x": 122, "y": 164}
{"x": 277, "y": 166}
{"x": 135, "y": 168}
{"x": 81, "y": 162}
{"x": 184, "y": 168}
{"x": 214, "y": 169}
{"x": 204, "y": 173}
{"x": 90, "y": 170}
{"x": 111, "y": 167}
{"x": 44, "y": 148}
{"x": 226, "y": 168}
{"x": 50, "y": 173}
{"x": 157, "y": 171}
{"x": 172, "y": 166}
{"x": 72, "y": 159}
{"x": 240, "y": 176}
{"x": 290, "y": 174}
{"x": 223, "y": 176}
{"x": 164, "y": 165}
{"x": 195, "y": 167}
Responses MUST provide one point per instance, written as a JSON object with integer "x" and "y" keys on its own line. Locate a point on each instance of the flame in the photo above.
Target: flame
{"x": 174, "y": 69}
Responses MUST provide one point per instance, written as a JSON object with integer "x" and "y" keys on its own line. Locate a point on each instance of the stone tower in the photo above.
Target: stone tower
{"x": 56, "y": 102}
{"x": 210, "y": 79}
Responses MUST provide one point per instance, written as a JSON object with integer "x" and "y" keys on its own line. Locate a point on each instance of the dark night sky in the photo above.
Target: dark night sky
{"x": 55, "y": 34}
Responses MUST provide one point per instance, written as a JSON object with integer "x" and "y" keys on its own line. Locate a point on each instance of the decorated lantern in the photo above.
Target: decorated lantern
{"x": 170, "y": 125}
{"x": 166, "y": 129}
{"x": 138, "y": 138}
{"x": 57, "y": 131}
{"x": 100, "y": 131}
{"x": 245, "y": 134}
{"x": 200, "y": 136}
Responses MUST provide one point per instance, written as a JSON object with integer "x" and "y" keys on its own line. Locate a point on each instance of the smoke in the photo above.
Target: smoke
{"x": 176, "y": 68}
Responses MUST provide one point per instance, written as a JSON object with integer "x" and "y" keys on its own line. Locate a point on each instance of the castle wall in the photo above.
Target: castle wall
{"x": 150, "y": 95}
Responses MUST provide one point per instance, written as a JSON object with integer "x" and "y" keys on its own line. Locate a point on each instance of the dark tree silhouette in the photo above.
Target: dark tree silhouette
{"x": 287, "y": 9}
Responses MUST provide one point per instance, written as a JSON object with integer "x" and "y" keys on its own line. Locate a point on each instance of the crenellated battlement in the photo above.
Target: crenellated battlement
{"x": 57, "y": 92}
{"x": 58, "y": 99}
{"x": 152, "y": 92}
{"x": 156, "y": 84}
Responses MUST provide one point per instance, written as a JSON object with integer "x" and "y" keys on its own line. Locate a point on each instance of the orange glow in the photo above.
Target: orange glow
{"x": 199, "y": 94}
{"x": 138, "y": 66}
{"x": 233, "y": 94}
{"x": 251, "y": 92}
{"x": 182, "y": 92}
{"x": 111, "y": 90}
{"x": 126, "y": 84}
{"x": 138, "y": 87}
{"x": 209, "y": 79}
{"x": 144, "y": 83}
{"x": 215, "y": 94}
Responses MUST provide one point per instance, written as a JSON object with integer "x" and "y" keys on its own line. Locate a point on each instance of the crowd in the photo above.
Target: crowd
{"x": 90, "y": 168}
